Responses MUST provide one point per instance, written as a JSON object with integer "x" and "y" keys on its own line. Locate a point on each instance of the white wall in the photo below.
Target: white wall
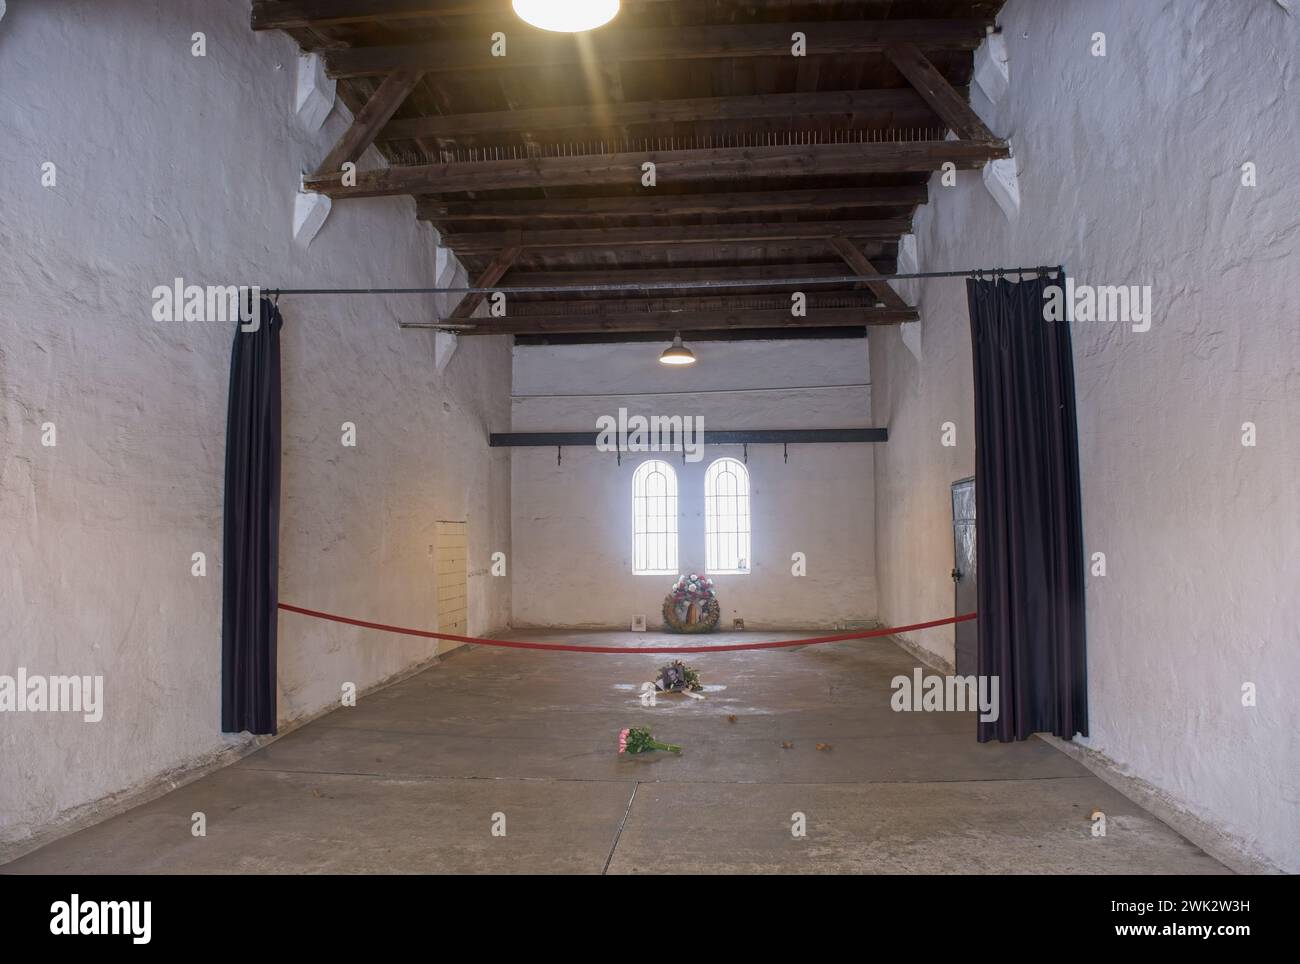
{"x": 572, "y": 522}
{"x": 1130, "y": 174}
{"x": 172, "y": 165}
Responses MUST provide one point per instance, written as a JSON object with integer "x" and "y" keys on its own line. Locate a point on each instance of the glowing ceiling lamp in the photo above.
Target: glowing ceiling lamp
{"x": 566, "y": 16}
{"x": 677, "y": 353}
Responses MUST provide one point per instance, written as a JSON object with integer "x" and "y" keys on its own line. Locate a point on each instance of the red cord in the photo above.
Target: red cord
{"x": 625, "y": 650}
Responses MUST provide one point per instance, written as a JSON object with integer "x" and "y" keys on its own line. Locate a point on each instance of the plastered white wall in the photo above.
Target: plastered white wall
{"x": 1130, "y": 173}
{"x": 572, "y": 522}
{"x": 170, "y": 165}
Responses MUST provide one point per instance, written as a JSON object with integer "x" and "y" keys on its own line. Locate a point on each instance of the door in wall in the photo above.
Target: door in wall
{"x": 450, "y": 573}
{"x": 964, "y": 573}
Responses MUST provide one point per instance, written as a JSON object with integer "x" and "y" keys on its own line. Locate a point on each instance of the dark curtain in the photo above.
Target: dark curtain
{"x": 1029, "y": 539}
{"x": 250, "y": 587}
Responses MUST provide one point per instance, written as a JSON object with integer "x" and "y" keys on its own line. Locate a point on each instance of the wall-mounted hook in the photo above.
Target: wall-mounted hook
{"x": 559, "y": 454}
{"x": 786, "y": 448}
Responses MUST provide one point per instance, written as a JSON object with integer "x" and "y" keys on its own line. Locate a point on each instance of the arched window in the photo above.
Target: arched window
{"x": 654, "y": 518}
{"x": 726, "y": 517}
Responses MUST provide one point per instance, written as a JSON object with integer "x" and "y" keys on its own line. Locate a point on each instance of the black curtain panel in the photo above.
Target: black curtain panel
{"x": 1029, "y": 539}
{"x": 250, "y": 585}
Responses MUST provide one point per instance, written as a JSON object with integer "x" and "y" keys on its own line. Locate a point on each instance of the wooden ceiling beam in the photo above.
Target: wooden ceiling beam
{"x": 658, "y": 205}
{"x": 292, "y": 14}
{"x": 865, "y": 103}
{"x": 617, "y": 45}
{"x": 381, "y": 106}
{"x": 652, "y": 256}
{"x": 843, "y": 332}
{"x": 950, "y": 105}
{"x": 856, "y": 260}
{"x": 670, "y": 321}
{"x": 657, "y": 302}
{"x": 288, "y": 14}
{"x": 667, "y": 275}
{"x": 489, "y": 276}
{"x": 480, "y": 242}
{"x": 702, "y": 164}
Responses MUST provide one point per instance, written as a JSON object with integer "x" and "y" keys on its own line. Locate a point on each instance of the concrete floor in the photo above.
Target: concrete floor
{"x": 410, "y": 778}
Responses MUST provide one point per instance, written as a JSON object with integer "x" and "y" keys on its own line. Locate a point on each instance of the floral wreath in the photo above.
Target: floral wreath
{"x": 691, "y": 606}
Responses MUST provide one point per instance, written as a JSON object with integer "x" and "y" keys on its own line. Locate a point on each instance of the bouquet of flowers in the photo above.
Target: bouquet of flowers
{"x": 692, "y": 588}
{"x": 637, "y": 739}
{"x": 677, "y": 677}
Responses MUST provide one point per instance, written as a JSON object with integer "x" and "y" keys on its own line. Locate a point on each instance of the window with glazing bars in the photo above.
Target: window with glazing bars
{"x": 654, "y": 518}
{"x": 726, "y": 517}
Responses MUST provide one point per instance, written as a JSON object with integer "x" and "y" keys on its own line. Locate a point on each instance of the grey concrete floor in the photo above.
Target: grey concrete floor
{"x": 410, "y": 779}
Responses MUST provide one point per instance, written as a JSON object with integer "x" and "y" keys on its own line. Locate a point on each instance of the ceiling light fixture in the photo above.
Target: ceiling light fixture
{"x": 566, "y": 16}
{"x": 677, "y": 353}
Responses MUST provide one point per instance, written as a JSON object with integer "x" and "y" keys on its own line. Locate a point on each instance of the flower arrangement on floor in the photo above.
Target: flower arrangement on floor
{"x": 677, "y": 677}
{"x": 691, "y": 606}
{"x": 637, "y": 739}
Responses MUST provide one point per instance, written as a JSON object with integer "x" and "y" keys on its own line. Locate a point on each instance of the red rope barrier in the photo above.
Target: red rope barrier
{"x": 568, "y": 648}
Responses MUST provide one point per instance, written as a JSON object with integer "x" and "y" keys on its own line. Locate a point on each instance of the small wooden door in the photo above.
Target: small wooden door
{"x": 965, "y": 597}
{"x": 451, "y": 575}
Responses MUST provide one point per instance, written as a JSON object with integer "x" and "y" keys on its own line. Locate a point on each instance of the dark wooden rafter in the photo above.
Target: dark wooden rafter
{"x": 856, "y": 260}
{"x": 478, "y": 242}
{"x": 288, "y": 14}
{"x": 663, "y": 204}
{"x": 489, "y": 276}
{"x": 378, "y": 110}
{"x": 908, "y": 104}
{"x": 703, "y": 164}
{"x": 667, "y": 275}
{"x": 842, "y": 333}
{"x": 616, "y": 318}
{"x": 662, "y": 256}
{"x": 950, "y": 105}
{"x": 618, "y": 45}
{"x": 293, "y": 14}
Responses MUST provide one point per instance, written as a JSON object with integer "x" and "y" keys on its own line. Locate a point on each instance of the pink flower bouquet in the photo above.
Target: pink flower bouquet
{"x": 637, "y": 739}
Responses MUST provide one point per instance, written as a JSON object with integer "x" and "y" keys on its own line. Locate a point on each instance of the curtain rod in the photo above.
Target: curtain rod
{"x": 666, "y": 285}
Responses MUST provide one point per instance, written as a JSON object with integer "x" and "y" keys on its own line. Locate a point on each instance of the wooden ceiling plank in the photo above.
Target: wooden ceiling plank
{"x": 754, "y": 272}
{"x": 617, "y": 45}
{"x": 670, "y": 321}
{"x": 288, "y": 14}
{"x": 703, "y": 164}
{"x": 378, "y": 111}
{"x": 658, "y": 205}
{"x": 931, "y": 84}
{"x": 291, "y": 14}
{"x": 862, "y": 103}
{"x": 856, "y": 260}
{"x": 844, "y": 332}
{"x": 481, "y": 241}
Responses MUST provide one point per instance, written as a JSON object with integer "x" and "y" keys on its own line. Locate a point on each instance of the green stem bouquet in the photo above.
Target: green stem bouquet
{"x": 637, "y": 739}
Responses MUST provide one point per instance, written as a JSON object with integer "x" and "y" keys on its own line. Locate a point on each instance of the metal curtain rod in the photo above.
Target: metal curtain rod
{"x": 664, "y": 285}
